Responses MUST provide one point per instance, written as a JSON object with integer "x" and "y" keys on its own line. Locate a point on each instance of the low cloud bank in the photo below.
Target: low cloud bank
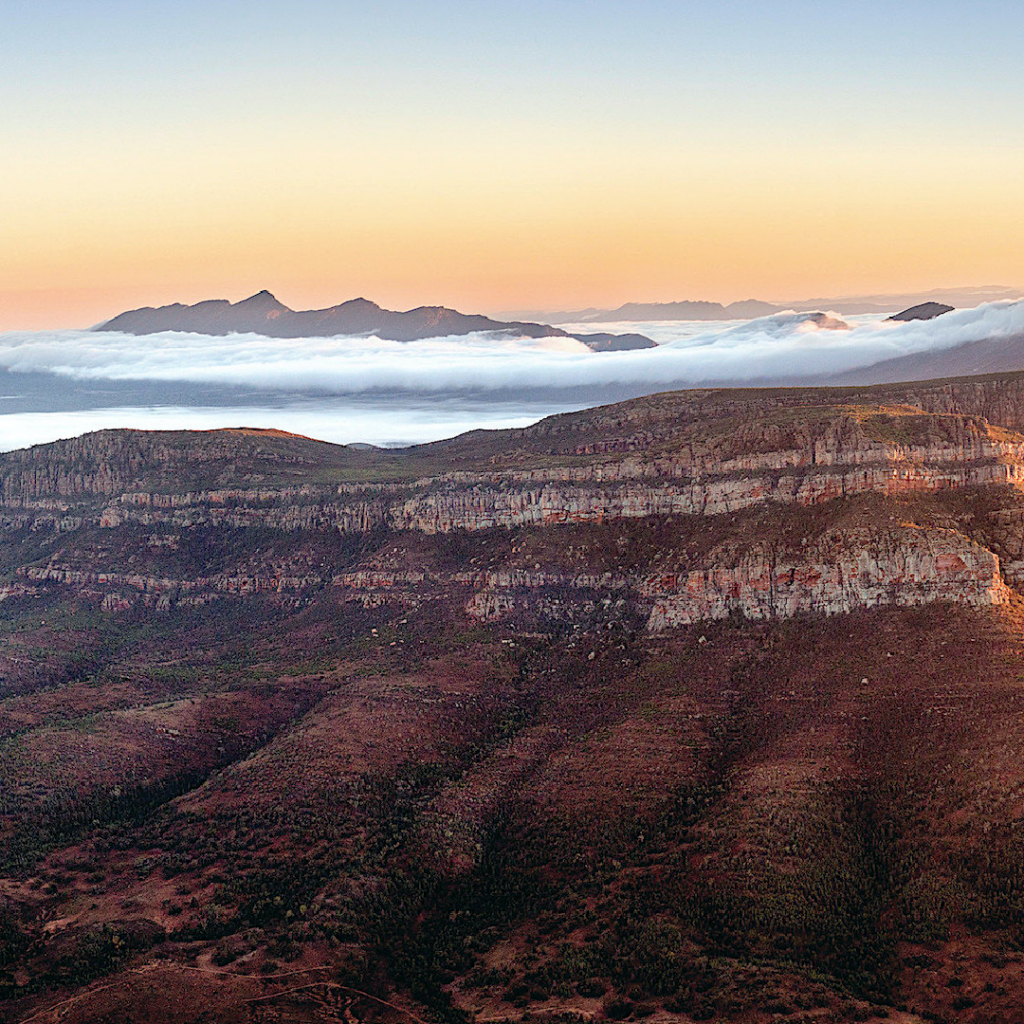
{"x": 785, "y": 347}
{"x": 335, "y": 420}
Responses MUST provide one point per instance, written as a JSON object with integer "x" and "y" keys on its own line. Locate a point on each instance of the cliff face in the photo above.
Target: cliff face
{"x": 102, "y": 512}
{"x": 841, "y": 573}
{"x": 842, "y": 462}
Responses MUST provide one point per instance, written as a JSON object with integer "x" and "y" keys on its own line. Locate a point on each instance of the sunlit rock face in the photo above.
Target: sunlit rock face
{"x": 843, "y": 572}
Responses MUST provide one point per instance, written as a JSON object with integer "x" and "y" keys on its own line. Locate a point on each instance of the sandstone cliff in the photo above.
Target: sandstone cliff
{"x": 95, "y": 509}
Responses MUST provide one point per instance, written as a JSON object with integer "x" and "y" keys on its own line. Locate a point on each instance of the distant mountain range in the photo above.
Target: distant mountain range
{"x": 962, "y": 298}
{"x": 263, "y": 314}
{"x": 748, "y": 309}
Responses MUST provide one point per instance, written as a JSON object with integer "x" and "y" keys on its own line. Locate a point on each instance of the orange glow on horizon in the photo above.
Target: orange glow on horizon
{"x": 484, "y": 232}
{"x": 503, "y": 156}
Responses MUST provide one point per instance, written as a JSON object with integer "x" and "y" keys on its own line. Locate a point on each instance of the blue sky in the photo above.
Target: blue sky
{"x": 788, "y": 65}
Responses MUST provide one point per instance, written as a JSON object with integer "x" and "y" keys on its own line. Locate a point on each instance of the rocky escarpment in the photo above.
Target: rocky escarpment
{"x": 841, "y": 571}
{"x": 842, "y": 460}
{"x": 714, "y": 463}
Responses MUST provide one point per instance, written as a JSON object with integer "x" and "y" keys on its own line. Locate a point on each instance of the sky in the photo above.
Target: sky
{"x": 494, "y": 155}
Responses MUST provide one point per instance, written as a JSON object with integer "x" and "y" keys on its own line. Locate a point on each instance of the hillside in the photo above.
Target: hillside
{"x": 703, "y": 706}
{"x": 991, "y": 355}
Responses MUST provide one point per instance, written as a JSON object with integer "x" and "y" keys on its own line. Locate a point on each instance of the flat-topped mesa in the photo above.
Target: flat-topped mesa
{"x": 223, "y": 476}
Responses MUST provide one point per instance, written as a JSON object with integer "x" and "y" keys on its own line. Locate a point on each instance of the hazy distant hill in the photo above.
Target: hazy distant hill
{"x": 264, "y": 314}
{"x": 850, "y": 305}
{"x": 992, "y": 355}
{"x": 747, "y": 309}
{"x": 962, "y": 298}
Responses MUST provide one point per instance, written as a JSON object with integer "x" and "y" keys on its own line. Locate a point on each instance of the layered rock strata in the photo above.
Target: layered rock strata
{"x": 630, "y": 488}
{"x": 842, "y": 572}
{"x": 640, "y": 464}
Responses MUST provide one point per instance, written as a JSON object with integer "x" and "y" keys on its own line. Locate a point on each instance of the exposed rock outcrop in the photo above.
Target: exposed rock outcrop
{"x": 840, "y": 573}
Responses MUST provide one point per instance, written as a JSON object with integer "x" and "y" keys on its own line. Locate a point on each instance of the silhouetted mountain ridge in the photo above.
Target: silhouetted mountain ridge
{"x": 263, "y": 314}
{"x": 846, "y": 305}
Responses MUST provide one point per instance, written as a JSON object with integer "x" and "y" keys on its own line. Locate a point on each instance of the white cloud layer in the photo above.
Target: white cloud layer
{"x": 781, "y": 346}
{"x": 329, "y": 420}
{"x": 343, "y": 389}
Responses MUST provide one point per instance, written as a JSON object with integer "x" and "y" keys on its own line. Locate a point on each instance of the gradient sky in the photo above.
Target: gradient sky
{"x": 494, "y": 155}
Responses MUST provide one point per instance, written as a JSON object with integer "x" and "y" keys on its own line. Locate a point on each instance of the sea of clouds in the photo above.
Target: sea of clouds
{"x": 341, "y": 422}
{"x": 393, "y": 392}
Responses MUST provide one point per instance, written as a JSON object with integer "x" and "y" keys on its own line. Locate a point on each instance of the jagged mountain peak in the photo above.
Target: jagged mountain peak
{"x": 263, "y": 300}
{"x": 361, "y": 303}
